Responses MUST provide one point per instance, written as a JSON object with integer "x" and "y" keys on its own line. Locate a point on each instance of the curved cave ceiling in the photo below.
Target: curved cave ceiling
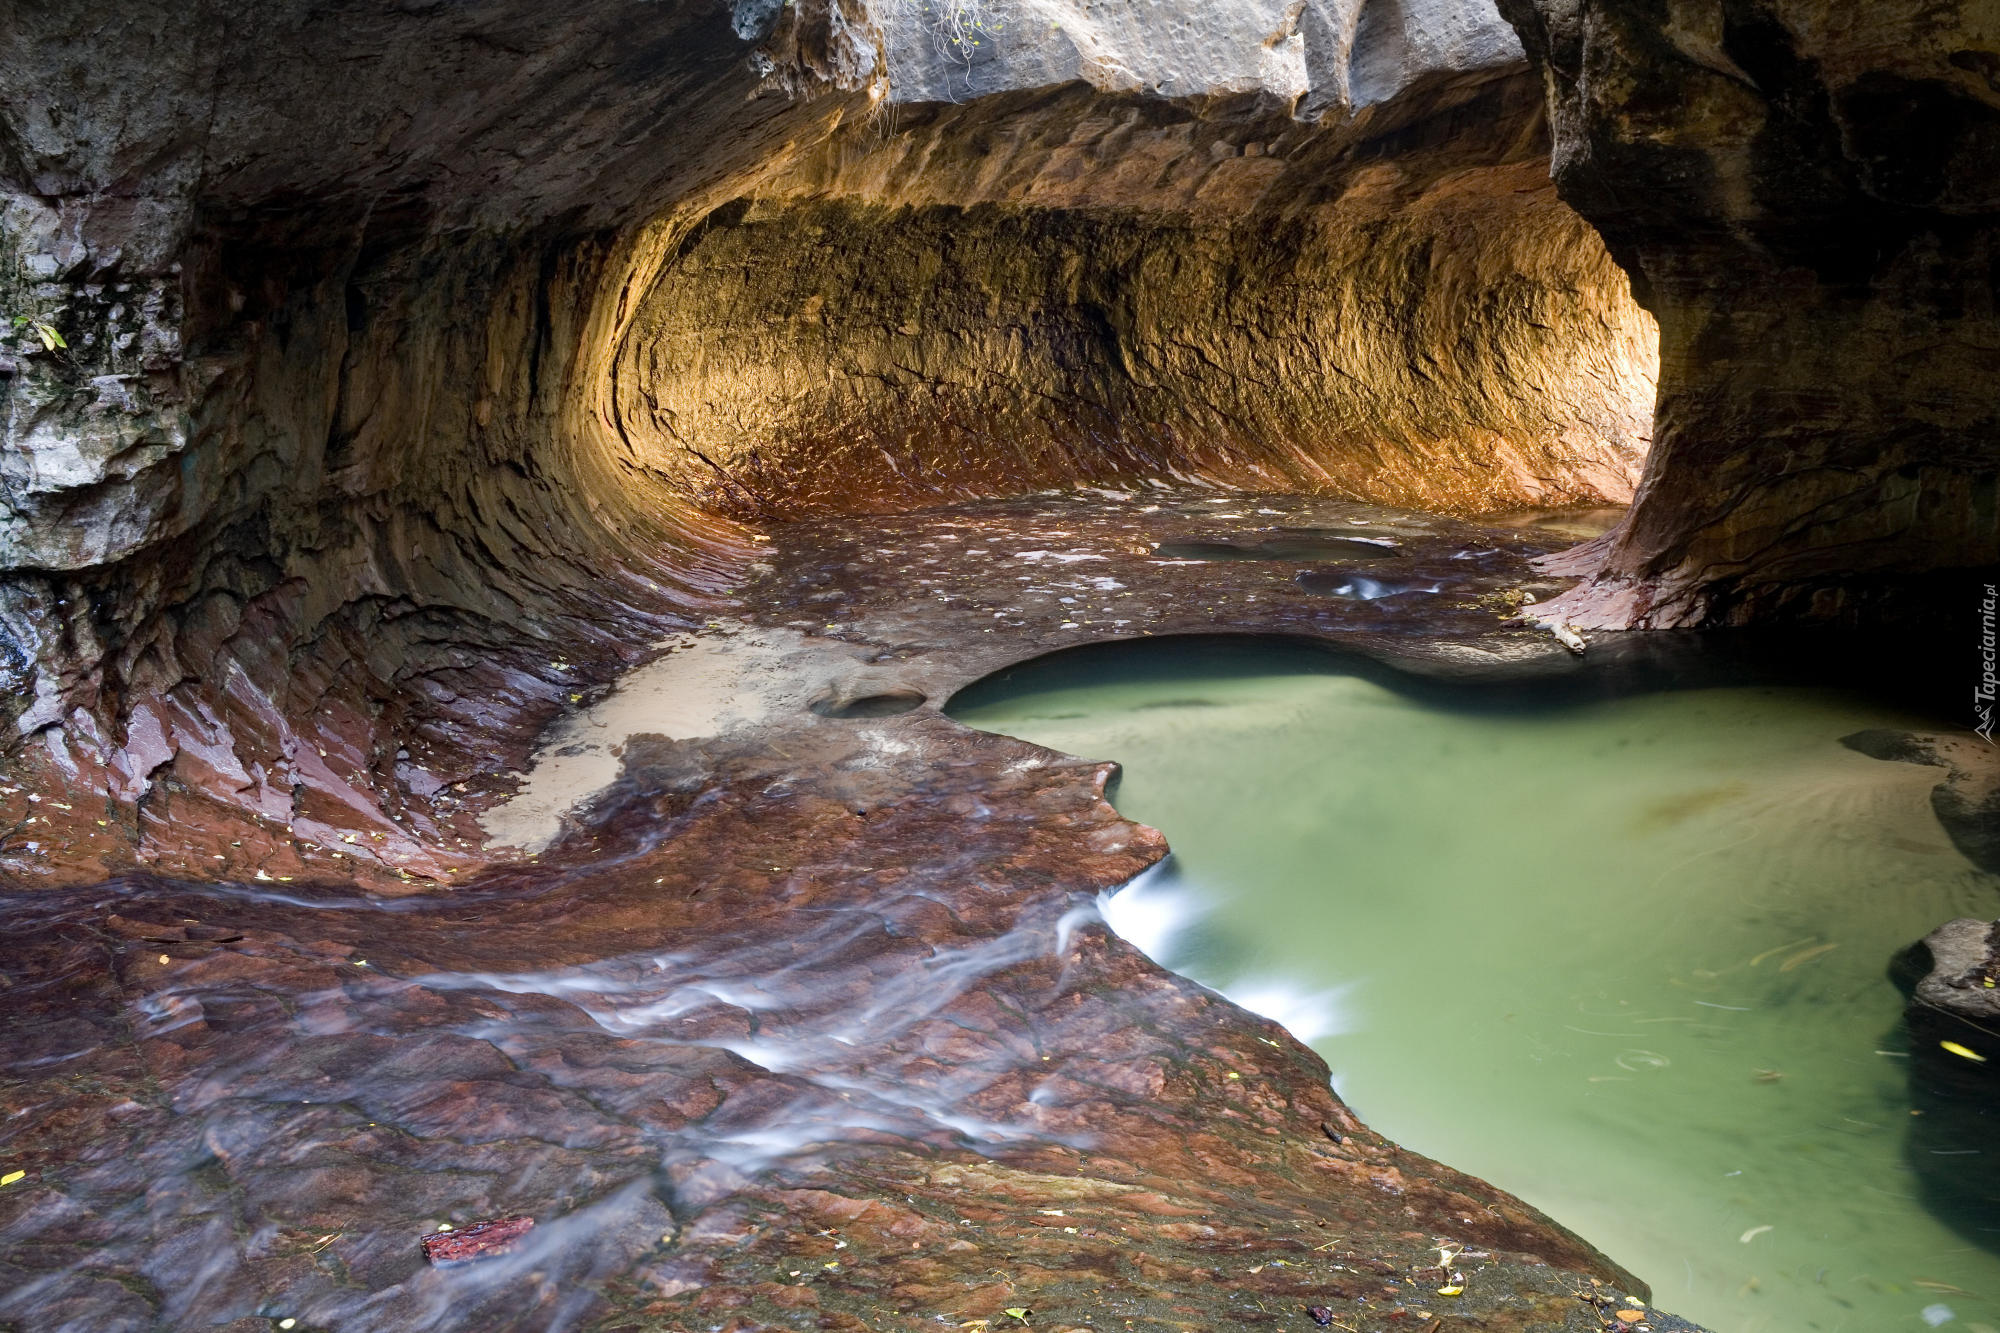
{"x": 991, "y": 301}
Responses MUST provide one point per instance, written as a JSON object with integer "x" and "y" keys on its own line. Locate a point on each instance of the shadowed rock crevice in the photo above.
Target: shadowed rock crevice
{"x": 1805, "y": 198}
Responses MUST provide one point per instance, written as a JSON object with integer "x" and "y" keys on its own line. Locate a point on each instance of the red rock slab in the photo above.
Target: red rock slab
{"x": 481, "y": 1240}
{"x": 809, "y": 1026}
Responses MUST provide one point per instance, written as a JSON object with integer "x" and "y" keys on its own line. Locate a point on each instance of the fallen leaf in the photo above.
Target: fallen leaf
{"x": 1772, "y": 953}
{"x": 1806, "y": 957}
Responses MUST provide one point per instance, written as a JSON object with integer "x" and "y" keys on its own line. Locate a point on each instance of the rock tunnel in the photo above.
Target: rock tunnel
{"x": 381, "y": 387}
{"x": 384, "y": 380}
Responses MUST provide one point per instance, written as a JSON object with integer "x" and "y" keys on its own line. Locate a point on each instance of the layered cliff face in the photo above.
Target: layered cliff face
{"x": 294, "y": 516}
{"x": 418, "y": 366}
{"x": 1807, "y": 196}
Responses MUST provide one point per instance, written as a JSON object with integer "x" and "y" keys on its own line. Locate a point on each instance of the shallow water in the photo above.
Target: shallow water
{"x": 1626, "y": 958}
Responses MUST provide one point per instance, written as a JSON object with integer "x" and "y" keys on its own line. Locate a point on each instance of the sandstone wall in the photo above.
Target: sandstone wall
{"x": 1081, "y": 289}
{"x": 1807, "y": 196}
{"x": 316, "y": 503}
{"x": 421, "y": 361}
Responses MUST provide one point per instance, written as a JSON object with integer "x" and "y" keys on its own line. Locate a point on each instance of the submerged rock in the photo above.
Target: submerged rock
{"x": 1967, "y": 802}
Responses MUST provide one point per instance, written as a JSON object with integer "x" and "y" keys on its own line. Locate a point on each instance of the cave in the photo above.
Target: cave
{"x": 496, "y": 504}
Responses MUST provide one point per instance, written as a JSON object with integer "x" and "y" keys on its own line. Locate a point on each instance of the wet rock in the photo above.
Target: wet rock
{"x": 1967, "y": 802}
{"x": 1287, "y": 547}
{"x": 481, "y": 1240}
{"x": 815, "y": 1014}
{"x": 1956, "y": 969}
{"x": 889, "y": 703}
{"x": 1952, "y": 977}
{"x": 1361, "y": 587}
{"x": 375, "y": 429}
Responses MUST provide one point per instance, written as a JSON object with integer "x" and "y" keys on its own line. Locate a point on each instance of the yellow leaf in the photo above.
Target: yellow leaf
{"x": 1451, "y": 1291}
{"x": 1805, "y": 957}
{"x": 13, "y": 1176}
{"x": 1965, "y": 1051}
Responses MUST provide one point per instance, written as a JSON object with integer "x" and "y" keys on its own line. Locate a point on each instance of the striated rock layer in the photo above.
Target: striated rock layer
{"x": 317, "y": 481}
{"x": 417, "y": 365}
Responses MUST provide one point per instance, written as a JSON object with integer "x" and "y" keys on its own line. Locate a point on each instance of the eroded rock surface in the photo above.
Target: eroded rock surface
{"x": 411, "y": 352}
{"x": 808, "y": 1023}
{"x": 314, "y": 482}
{"x": 992, "y": 300}
{"x": 1806, "y": 197}
{"x": 391, "y": 376}
{"x": 1967, "y": 802}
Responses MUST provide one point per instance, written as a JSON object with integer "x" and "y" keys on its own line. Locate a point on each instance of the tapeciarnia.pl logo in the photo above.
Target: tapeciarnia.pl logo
{"x": 1982, "y": 693}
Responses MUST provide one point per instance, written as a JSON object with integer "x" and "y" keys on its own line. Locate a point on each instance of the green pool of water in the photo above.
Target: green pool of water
{"x": 1623, "y": 957}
